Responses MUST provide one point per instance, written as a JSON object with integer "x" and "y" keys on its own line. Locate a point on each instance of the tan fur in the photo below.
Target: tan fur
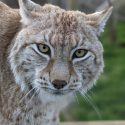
{"x": 9, "y": 25}
{"x": 23, "y": 67}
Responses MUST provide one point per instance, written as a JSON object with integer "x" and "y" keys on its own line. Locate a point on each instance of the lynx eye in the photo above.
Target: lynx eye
{"x": 79, "y": 53}
{"x": 44, "y": 49}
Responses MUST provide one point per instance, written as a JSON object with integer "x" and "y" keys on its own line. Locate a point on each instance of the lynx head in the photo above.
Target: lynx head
{"x": 57, "y": 51}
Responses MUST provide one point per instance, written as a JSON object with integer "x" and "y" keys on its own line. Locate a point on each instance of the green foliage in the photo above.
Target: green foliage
{"x": 120, "y": 29}
{"x": 109, "y": 92}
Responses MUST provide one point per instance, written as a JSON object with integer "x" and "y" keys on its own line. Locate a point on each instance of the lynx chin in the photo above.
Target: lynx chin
{"x": 46, "y": 55}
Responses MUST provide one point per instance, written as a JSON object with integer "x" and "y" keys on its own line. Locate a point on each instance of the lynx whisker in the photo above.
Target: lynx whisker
{"x": 75, "y": 95}
{"x": 36, "y": 92}
{"x": 26, "y": 94}
{"x": 90, "y": 101}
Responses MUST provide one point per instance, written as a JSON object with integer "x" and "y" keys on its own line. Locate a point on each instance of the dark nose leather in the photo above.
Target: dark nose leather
{"x": 59, "y": 84}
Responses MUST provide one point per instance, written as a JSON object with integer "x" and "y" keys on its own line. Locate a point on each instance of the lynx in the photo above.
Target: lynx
{"x": 46, "y": 55}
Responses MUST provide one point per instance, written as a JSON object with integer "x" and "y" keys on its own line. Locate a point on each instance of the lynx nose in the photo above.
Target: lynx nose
{"x": 59, "y": 84}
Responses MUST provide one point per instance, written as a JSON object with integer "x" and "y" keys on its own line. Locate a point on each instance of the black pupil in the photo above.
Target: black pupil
{"x": 79, "y": 51}
{"x": 44, "y": 47}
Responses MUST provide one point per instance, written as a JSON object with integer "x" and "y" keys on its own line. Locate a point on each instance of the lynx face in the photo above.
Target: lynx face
{"x": 57, "y": 52}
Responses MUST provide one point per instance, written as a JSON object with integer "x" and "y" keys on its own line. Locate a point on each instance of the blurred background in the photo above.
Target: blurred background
{"x": 106, "y": 101}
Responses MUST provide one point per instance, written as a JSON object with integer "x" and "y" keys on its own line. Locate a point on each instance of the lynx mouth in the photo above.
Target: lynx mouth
{"x": 58, "y": 92}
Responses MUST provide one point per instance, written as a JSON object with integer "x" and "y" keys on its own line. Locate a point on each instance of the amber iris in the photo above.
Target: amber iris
{"x": 44, "y": 49}
{"x": 79, "y": 53}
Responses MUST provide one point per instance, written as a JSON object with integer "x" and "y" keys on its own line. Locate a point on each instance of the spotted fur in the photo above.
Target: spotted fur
{"x": 27, "y": 95}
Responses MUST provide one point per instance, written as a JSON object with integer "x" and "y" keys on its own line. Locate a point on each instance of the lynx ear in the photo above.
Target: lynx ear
{"x": 98, "y": 19}
{"x": 28, "y": 10}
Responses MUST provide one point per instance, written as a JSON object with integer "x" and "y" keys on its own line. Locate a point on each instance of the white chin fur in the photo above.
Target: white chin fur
{"x": 62, "y": 100}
